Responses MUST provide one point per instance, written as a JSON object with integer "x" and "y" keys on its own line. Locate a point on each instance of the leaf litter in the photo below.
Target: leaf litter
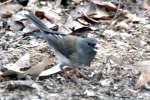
{"x": 120, "y": 68}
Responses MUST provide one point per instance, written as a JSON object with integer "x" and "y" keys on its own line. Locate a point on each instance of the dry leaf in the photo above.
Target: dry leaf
{"x": 144, "y": 68}
{"x": 95, "y": 14}
{"x": 107, "y": 5}
{"x": 143, "y": 79}
{"x": 122, "y": 25}
{"x": 77, "y": 1}
{"x": 52, "y": 70}
{"x": 40, "y": 14}
{"x": 50, "y": 15}
{"x": 31, "y": 63}
{"x": 147, "y": 26}
{"x": 82, "y": 21}
{"x": 8, "y": 10}
{"x": 23, "y": 62}
{"x": 134, "y": 18}
{"x": 38, "y": 63}
{"x": 32, "y": 2}
{"x": 73, "y": 72}
{"x": 72, "y": 24}
{"x": 19, "y": 16}
{"x": 143, "y": 64}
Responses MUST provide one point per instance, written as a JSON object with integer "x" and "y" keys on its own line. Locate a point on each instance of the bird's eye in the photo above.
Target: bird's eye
{"x": 92, "y": 44}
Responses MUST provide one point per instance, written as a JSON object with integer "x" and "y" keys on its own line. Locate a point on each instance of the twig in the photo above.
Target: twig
{"x": 5, "y": 2}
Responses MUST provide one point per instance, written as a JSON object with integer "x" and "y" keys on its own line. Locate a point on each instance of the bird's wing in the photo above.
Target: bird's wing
{"x": 56, "y": 39}
{"x": 58, "y": 44}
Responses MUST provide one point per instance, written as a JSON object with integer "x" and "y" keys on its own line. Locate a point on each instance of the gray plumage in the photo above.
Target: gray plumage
{"x": 69, "y": 50}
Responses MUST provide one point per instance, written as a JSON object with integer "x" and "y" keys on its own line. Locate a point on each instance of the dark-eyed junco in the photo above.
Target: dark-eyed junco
{"x": 70, "y": 50}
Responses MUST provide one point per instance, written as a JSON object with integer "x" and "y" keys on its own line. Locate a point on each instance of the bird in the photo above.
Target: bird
{"x": 70, "y": 50}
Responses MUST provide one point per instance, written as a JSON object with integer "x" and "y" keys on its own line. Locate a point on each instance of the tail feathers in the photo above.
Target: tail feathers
{"x": 37, "y": 22}
{"x": 53, "y": 38}
{"x": 52, "y": 41}
{"x": 41, "y": 25}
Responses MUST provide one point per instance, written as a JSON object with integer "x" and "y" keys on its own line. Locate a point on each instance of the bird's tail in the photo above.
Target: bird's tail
{"x": 52, "y": 37}
{"x": 41, "y": 25}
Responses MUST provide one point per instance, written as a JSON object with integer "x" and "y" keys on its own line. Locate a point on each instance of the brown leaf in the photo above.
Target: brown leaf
{"x": 94, "y": 14}
{"x": 143, "y": 79}
{"x": 134, "y": 17}
{"x": 144, "y": 68}
{"x": 73, "y": 72}
{"x": 51, "y": 16}
{"x": 40, "y": 14}
{"x": 9, "y": 9}
{"x": 32, "y": 63}
{"x": 122, "y": 25}
{"x": 107, "y": 5}
{"x": 38, "y": 63}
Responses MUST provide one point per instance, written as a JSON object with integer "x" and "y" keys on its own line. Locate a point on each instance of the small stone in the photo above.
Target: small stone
{"x": 89, "y": 93}
{"x": 105, "y": 82}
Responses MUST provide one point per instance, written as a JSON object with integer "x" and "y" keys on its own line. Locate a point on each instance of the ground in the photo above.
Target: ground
{"x": 122, "y": 29}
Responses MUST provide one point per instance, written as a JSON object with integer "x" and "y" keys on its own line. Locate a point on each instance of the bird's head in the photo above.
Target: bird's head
{"x": 91, "y": 43}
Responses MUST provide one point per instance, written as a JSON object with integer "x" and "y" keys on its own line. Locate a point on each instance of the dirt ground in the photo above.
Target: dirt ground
{"x": 123, "y": 32}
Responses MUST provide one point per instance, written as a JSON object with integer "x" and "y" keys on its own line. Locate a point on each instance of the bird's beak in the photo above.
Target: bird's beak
{"x": 97, "y": 46}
